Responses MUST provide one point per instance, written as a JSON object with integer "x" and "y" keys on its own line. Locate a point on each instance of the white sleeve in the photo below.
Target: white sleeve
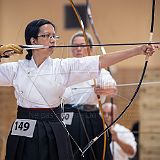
{"x": 7, "y": 73}
{"x": 128, "y": 137}
{"x": 105, "y": 79}
{"x": 80, "y": 69}
{"x": 131, "y": 140}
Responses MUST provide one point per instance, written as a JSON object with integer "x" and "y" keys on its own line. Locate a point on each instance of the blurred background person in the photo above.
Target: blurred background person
{"x": 123, "y": 145}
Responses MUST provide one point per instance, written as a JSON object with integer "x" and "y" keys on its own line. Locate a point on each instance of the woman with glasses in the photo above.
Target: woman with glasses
{"x": 40, "y": 82}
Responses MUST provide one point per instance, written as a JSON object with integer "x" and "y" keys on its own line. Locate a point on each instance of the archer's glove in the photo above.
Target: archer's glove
{"x": 10, "y": 49}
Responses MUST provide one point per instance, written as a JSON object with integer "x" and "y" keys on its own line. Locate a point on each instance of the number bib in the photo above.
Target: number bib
{"x": 67, "y": 117}
{"x": 24, "y": 127}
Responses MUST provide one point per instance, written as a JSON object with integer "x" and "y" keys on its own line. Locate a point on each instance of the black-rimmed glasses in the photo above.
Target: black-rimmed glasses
{"x": 48, "y": 36}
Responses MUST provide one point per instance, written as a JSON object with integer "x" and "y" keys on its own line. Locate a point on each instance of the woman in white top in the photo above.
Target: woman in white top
{"x": 81, "y": 105}
{"x": 39, "y": 83}
{"x": 123, "y": 145}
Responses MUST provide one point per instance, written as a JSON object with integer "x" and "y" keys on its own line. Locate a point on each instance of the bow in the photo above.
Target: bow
{"x": 136, "y": 90}
{"x": 88, "y": 49}
{"x": 103, "y": 51}
{"x": 152, "y": 21}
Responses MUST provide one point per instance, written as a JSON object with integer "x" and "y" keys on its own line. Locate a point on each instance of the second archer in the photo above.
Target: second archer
{"x": 84, "y": 122}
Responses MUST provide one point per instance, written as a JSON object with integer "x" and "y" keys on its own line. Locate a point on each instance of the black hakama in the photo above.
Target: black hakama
{"x": 84, "y": 131}
{"x": 50, "y": 141}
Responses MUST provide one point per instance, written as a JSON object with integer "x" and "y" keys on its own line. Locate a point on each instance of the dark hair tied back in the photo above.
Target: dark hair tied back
{"x": 32, "y": 30}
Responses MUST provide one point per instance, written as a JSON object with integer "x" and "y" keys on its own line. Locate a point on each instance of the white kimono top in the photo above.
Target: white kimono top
{"x": 83, "y": 93}
{"x": 127, "y": 136}
{"x": 43, "y": 86}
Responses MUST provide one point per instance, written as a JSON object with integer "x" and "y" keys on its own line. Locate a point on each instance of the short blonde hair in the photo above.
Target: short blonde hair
{"x": 80, "y": 34}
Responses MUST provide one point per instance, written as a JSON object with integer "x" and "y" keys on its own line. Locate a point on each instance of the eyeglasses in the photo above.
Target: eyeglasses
{"x": 48, "y": 36}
